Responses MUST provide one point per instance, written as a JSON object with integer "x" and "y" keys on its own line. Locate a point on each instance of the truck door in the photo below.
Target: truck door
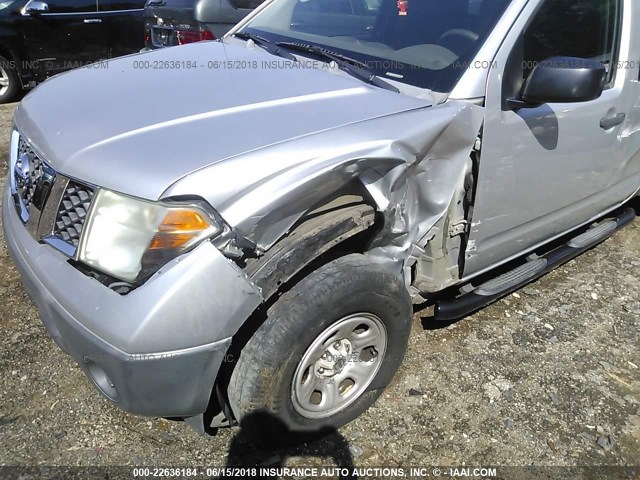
{"x": 124, "y": 25}
{"x": 62, "y": 34}
{"x": 545, "y": 170}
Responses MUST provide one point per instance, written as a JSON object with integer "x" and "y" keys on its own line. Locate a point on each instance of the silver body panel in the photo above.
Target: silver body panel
{"x": 144, "y": 138}
{"x": 570, "y": 178}
{"x": 177, "y": 299}
{"x": 156, "y": 352}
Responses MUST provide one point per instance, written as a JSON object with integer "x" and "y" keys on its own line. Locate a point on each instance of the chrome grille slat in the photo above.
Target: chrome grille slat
{"x": 27, "y": 187}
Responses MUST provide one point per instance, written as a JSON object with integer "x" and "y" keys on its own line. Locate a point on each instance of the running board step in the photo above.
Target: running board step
{"x": 513, "y": 278}
{"x": 496, "y": 288}
{"x": 594, "y": 235}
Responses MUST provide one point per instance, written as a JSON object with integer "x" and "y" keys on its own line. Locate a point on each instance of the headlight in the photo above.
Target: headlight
{"x": 130, "y": 238}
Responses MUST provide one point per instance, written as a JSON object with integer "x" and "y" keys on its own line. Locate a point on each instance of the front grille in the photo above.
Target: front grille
{"x": 28, "y": 172}
{"x": 52, "y": 207}
{"x": 72, "y": 212}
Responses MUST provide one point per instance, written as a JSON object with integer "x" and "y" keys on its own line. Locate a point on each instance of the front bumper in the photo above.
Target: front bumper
{"x": 155, "y": 351}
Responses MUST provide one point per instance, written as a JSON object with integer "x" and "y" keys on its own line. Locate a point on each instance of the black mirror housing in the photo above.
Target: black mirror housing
{"x": 564, "y": 80}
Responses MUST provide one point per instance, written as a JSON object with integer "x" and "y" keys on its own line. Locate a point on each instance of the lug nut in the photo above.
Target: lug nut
{"x": 336, "y": 345}
{"x": 320, "y": 371}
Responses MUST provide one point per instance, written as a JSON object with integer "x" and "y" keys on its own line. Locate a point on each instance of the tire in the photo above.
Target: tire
{"x": 10, "y": 85}
{"x": 342, "y": 293}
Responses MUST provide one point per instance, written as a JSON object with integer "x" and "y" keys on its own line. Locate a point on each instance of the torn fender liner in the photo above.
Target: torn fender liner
{"x": 307, "y": 242}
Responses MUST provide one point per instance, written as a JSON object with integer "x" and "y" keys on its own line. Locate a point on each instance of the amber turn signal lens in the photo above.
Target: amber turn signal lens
{"x": 183, "y": 221}
{"x": 170, "y": 240}
{"x": 178, "y": 228}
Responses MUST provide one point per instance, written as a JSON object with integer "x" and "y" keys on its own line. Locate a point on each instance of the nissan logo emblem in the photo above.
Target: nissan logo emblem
{"x": 23, "y": 169}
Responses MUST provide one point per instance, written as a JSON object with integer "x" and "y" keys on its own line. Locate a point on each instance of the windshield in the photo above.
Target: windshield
{"x": 426, "y": 43}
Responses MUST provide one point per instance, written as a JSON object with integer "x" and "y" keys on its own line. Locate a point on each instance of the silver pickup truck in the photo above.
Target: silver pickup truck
{"x": 235, "y": 231}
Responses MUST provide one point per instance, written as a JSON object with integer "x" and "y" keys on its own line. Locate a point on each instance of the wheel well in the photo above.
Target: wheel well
{"x": 318, "y": 232}
{"x": 8, "y": 54}
{"x": 342, "y": 224}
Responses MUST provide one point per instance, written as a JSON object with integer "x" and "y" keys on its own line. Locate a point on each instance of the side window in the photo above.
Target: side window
{"x": 71, "y": 6}
{"x": 115, "y": 5}
{"x": 248, "y": 4}
{"x": 573, "y": 28}
{"x": 334, "y": 18}
{"x": 344, "y": 7}
{"x": 372, "y": 5}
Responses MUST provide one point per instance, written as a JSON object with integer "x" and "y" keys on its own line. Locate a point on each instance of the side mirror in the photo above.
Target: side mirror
{"x": 562, "y": 80}
{"x": 35, "y": 7}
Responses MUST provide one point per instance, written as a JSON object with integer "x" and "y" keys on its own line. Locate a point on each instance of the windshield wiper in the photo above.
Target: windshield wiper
{"x": 270, "y": 47}
{"x": 347, "y": 64}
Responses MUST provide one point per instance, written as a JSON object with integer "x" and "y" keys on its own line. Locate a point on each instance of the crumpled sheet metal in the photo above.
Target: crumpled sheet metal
{"x": 418, "y": 194}
{"x": 411, "y": 163}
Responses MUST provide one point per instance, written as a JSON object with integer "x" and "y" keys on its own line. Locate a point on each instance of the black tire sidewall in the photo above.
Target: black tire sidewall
{"x": 346, "y": 286}
{"x": 380, "y": 306}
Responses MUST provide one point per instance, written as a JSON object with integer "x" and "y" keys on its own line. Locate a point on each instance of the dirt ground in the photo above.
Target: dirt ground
{"x": 548, "y": 376}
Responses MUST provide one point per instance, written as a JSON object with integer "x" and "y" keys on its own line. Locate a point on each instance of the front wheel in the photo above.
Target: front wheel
{"x": 325, "y": 352}
{"x": 10, "y": 85}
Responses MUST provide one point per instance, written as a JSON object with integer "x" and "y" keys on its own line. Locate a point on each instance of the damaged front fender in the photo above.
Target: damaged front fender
{"x": 413, "y": 165}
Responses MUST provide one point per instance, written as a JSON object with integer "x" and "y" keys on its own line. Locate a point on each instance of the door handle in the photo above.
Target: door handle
{"x": 607, "y": 123}
{"x": 92, "y": 20}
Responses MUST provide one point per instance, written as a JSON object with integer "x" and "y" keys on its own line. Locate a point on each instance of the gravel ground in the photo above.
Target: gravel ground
{"x": 548, "y": 376}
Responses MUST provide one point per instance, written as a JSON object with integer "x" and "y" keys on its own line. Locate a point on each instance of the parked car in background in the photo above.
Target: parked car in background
{"x": 39, "y": 38}
{"x": 177, "y": 22}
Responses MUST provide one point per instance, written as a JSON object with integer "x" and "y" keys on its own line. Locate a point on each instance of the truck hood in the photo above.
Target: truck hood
{"x": 140, "y": 123}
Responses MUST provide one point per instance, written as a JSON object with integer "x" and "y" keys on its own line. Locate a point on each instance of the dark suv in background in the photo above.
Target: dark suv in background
{"x": 176, "y": 22}
{"x": 39, "y": 38}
